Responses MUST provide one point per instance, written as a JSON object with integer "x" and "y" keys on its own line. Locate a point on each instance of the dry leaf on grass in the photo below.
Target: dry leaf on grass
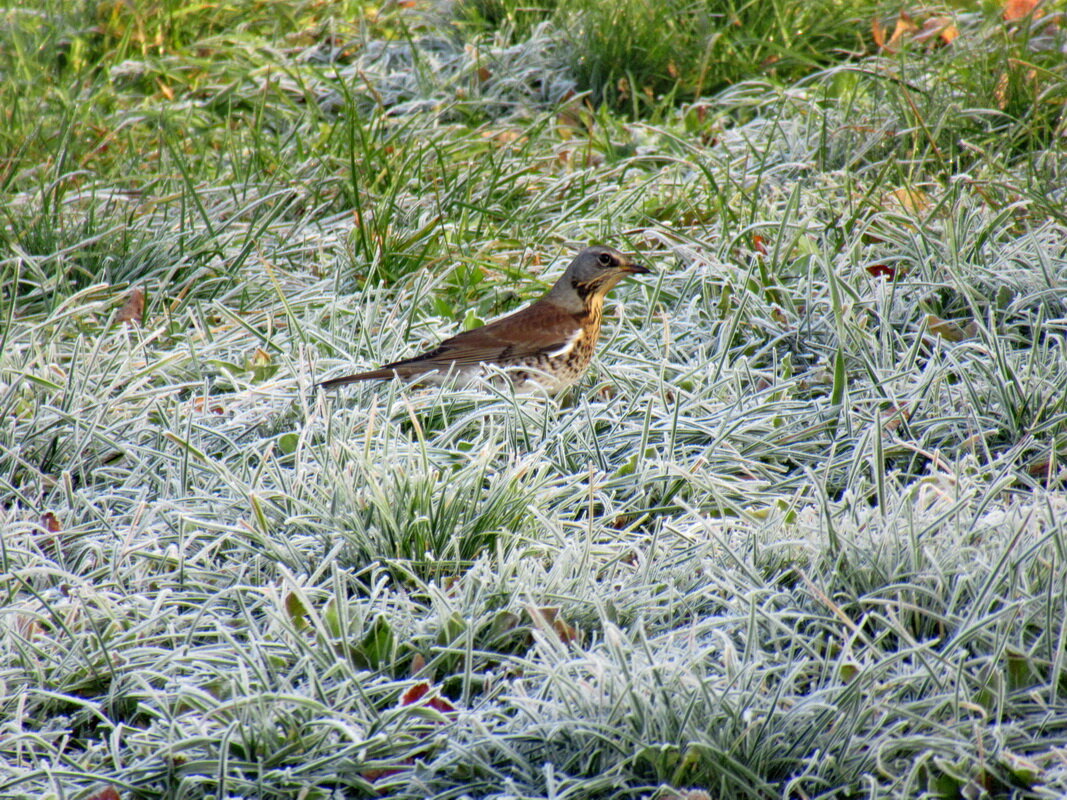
{"x": 133, "y": 309}
{"x": 915, "y": 201}
{"x": 949, "y": 330}
{"x": 1017, "y": 9}
{"x": 936, "y": 30}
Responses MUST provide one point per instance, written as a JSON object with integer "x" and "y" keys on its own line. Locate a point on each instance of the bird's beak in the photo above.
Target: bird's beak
{"x": 636, "y": 269}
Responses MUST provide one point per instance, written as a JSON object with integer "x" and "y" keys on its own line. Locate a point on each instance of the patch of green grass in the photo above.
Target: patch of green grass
{"x": 629, "y": 54}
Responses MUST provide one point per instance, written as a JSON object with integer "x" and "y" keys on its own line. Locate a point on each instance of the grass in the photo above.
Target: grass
{"x": 799, "y": 532}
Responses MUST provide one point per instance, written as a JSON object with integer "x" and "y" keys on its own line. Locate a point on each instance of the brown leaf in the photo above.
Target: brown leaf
{"x": 441, "y": 705}
{"x": 375, "y": 774}
{"x": 759, "y": 244}
{"x": 50, "y": 522}
{"x": 547, "y": 618}
{"x": 107, "y": 793}
{"x": 418, "y": 661}
{"x": 419, "y": 691}
{"x": 415, "y": 693}
{"x": 133, "y": 310}
{"x": 945, "y": 328}
{"x": 1041, "y": 468}
{"x": 895, "y": 416}
{"x": 203, "y": 404}
{"x": 882, "y": 271}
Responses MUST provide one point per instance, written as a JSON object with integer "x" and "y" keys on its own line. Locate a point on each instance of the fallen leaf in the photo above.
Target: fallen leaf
{"x": 1041, "y": 468}
{"x": 937, "y": 30}
{"x": 878, "y": 33}
{"x": 440, "y": 704}
{"x": 108, "y": 793}
{"x": 1017, "y": 9}
{"x": 946, "y": 329}
{"x": 895, "y": 416}
{"x": 904, "y": 27}
{"x": 415, "y": 693}
{"x": 882, "y": 271}
{"x": 50, "y": 522}
{"x": 418, "y": 661}
{"x": 376, "y": 774}
{"x": 759, "y": 244}
{"x": 547, "y": 618}
{"x": 914, "y": 201}
{"x": 202, "y": 404}
{"x": 419, "y": 691}
{"x": 133, "y": 309}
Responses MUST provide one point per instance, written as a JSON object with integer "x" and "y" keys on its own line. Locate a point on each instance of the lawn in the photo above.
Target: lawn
{"x": 801, "y": 530}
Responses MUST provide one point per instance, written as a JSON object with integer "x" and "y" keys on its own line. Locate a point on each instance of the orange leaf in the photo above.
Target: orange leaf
{"x": 937, "y": 30}
{"x": 50, "y": 522}
{"x": 108, "y": 793}
{"x": 878, "y": 32}
{"x": 759, "y": 244}
{"x": 1017, "y": 9}
{"x": 914, "y": 201}
{"x": 904, "y": 27}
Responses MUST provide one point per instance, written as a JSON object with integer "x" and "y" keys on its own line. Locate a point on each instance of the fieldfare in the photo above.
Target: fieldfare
{"x": 546, "y": 345}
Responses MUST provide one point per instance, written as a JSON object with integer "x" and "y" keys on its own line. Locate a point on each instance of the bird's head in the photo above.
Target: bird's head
{"x": 591, "y": 275}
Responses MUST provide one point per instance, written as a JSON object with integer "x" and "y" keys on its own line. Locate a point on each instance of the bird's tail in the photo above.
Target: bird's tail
{"x": 372, "y": 375}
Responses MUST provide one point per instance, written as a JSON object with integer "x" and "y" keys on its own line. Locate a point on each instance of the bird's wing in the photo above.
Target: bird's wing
{"x": 535, "y": 330}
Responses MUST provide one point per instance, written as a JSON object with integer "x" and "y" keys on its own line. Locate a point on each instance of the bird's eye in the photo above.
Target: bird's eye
{"x": 605, "y": 260}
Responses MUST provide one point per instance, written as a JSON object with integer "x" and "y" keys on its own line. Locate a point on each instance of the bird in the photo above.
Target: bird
{"x": 544, "y": 346}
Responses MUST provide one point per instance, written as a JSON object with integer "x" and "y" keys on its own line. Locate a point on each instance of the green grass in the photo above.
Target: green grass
{"x": 799, "y": 532}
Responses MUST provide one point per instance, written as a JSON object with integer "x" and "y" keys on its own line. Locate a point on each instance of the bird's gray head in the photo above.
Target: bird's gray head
{"x": 591, "y": 275}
